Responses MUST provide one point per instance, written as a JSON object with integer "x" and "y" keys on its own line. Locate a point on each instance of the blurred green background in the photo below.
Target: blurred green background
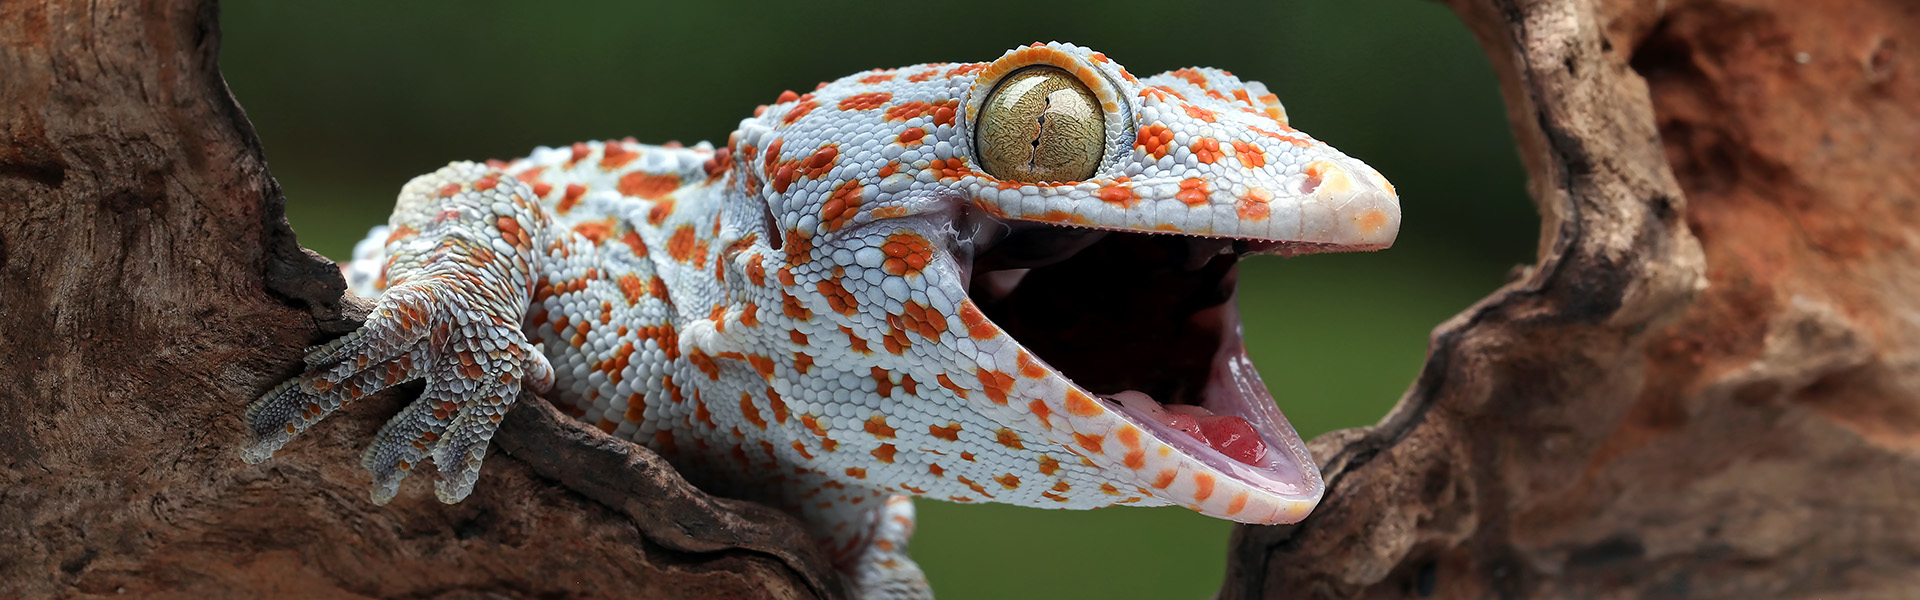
{"x": 353, "y": 98}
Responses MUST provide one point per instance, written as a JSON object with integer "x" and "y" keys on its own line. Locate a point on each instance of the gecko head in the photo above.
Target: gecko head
{"x": 1106, "y": 231}
{"x": 1092, "y": 223}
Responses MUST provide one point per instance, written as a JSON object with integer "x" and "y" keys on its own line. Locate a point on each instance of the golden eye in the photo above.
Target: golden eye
{"x": 1041, "y": 124}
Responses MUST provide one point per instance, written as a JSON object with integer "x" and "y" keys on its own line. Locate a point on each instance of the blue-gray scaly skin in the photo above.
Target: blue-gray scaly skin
{"x": 789, "y": 318}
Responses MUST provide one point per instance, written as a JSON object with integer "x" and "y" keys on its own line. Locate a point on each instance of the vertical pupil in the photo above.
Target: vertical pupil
{"x": 1041, "y": 124}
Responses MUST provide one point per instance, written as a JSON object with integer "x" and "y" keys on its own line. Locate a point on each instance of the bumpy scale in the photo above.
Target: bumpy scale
{"x": 823, "y": 314}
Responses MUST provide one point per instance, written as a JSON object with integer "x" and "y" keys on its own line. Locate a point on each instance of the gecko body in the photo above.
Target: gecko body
{"x": 1008, "y": 281}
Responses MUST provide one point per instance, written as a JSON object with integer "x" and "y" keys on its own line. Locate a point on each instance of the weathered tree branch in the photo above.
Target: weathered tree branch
{"x": 151, "y": 288}
{"x": 1708, "y": 394}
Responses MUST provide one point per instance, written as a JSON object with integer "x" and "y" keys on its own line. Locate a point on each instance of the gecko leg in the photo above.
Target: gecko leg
{"x": 451, "y": 316}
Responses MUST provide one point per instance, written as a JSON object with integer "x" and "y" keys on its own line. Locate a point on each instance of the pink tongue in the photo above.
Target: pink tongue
{"x": 1229, "y": 435}
{"x": 1234, "y": 437}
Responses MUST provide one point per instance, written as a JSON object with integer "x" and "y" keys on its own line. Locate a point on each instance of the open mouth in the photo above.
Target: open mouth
{"x": 1148, "y": 323}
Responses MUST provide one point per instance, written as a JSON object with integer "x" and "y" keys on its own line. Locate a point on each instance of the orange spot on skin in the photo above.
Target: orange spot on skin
{"x": 1205, "y": 150}
{"x": 800, "y": 110}
{"x": 1029, "y": 367}
{"x": 997, "y": 385}
{"x": 648, "y": 186}
{"x": 884, "y": 381}
{"x": 1130, "y": 437}
{"x": 751, "y": 412}
{"x": 636, "y": 408}
{"x": 1080, "y": 405}
{"x": 879, "y": 428}
{"x": 1193, "y": 191}
{"x": 1136, "y": 459}
{"x": 705, "y": 363}
{"x": 783, "y": 177}
{"x": 973, "y": 486}
{"x": 907, "y": 253}
{"x": 884, "y": 453}
{"x": 571, "y": 198}
{"x": 1116, "y": 194}
{"x": 910, "y": 137}
{"x": 936, "y": 470}
{"x": 1091, "y": 442}
{"x": 1008, "y": 481}
{"x": 812, "y": 424}
{"x": 842, "y": 205}
{"x": 802, "y": 449}
{"x": 761, "y": 364}
{"x": 1061, "y": 216}
{"x": 701, "y": 413}
{"x": 838, "y": 298}
{"x": 880, "y": 78}
{"x": 866, "y": 101}
{"x": 1108, "y": 489}
{"x": 1039, "y": 409}
{"x": 799, "y": 248}
{"x": 1254, "y": 205}
{"x": 1192, "y": 76}
{"x": 658, "y": 214}
{"x": 859, "y": 345}
{"x": 633, "y": 242}
{"x": 756, "y": 270}
{"x": 967, "y": 69}
{"x": 1006, "y": 437}
{"x": 403, "y": 232}
{"x": 949, "y": 433}
{"x": 1250, "y": 156}
{"x": 907, "y": 110}
{"x": 949, "y": 384}
{"x": 821, "y": 161}
{"x": 1238, "y": 504}
{"x": 1370, "y": 221}
{"x": 790, "y": 306}
{"x": 949, "y": 168}
{"x": 1164, "y": 479}
{"x": 598, "y": 231}
{"x": 680, "y": 246}
{"x": 1049, "y": 466}
{"x": 718, "y": 164}
{"x": 991, "y": 208}
{"x": 750, "y": 316}
{"x": 1200, "y": 113}
{"x": 617, "y": 155}
{"x": 1202, "y": 487}
{"x": 977, "y": 325}
{"x": 856, "y": 472}
{"x": 966, "y": 456}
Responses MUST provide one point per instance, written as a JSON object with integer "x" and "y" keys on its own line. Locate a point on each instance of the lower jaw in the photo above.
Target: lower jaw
{"x": 1234, "y": 391}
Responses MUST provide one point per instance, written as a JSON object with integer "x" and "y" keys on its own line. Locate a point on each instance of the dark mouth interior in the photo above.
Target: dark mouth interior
{"x": 1111, "y": 310}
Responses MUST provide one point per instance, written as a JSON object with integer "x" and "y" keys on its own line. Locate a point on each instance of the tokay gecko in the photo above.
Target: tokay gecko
{"x": 1008, "y": 281}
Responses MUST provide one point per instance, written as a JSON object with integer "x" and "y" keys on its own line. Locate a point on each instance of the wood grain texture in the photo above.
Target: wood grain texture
{"x": 150, "y": 288}
{"x": 1707, "y": 386}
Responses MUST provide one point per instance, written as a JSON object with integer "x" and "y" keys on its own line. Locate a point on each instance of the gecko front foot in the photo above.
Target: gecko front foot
{"x": 451, "y": 316}
{"x": 474, "y": 364}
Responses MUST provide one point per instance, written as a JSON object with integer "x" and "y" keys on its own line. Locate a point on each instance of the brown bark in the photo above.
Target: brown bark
{"x": 1708, "y": 394}
{"x": 150, "y": 288}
